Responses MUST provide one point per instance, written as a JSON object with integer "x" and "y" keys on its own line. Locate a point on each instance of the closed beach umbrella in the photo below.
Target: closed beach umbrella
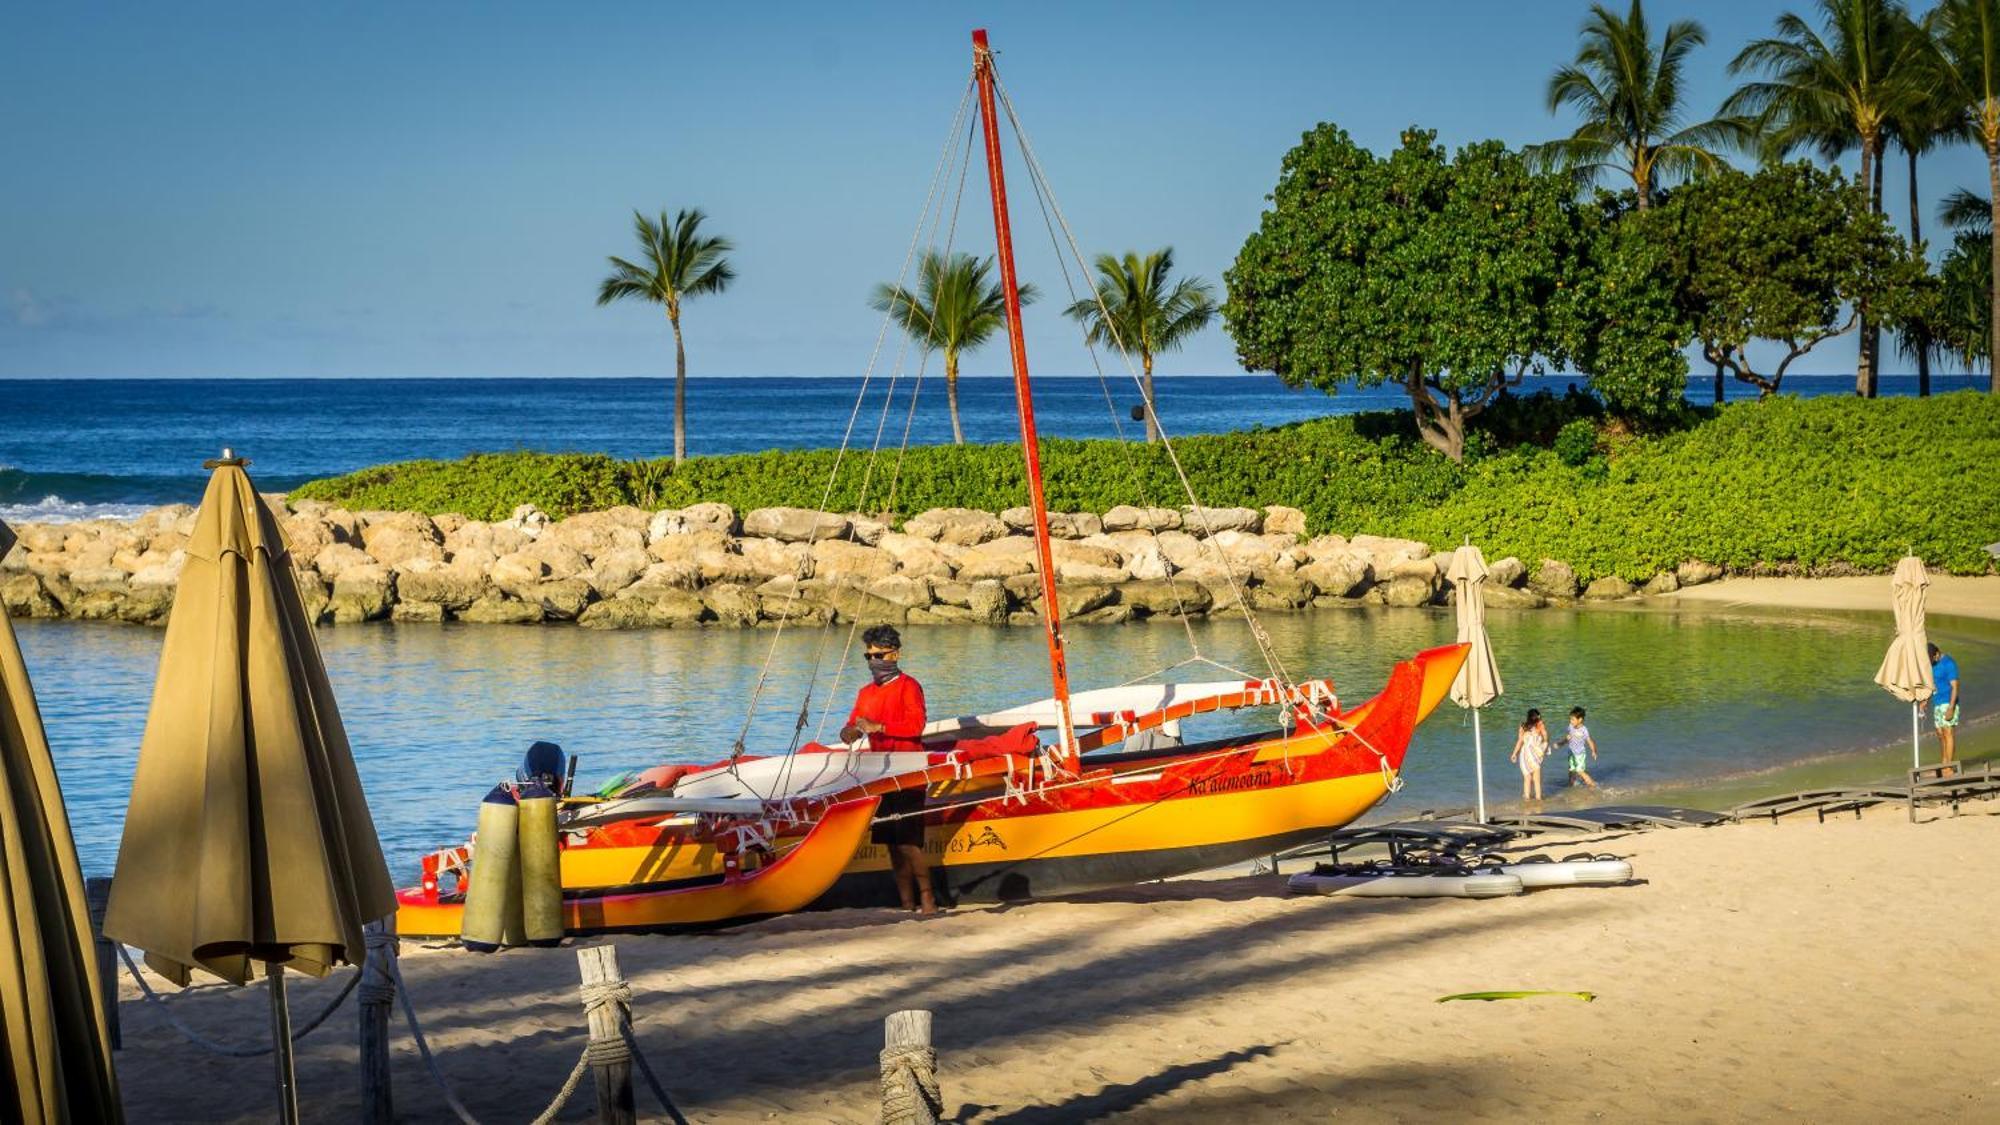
{"x": 248, "y": 837}
{"x": 1906, "y": 668}
{"x": 1478, "y": 681}
{"x": 59, "y": 1054}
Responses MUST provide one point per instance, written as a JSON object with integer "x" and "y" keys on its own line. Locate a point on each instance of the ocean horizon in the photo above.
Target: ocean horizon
{"x": 112, "y": 447}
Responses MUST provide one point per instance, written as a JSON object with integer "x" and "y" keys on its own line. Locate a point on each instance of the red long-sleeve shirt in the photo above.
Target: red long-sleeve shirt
{"x": 899, "y": 706}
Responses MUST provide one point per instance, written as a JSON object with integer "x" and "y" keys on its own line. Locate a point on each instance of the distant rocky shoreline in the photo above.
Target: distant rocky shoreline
{"x": 707, "y": 565}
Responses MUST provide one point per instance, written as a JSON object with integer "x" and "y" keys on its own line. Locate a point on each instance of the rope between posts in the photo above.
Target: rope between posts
{"x": 198, "y": 1039}
{"x": 909, "y": 1085}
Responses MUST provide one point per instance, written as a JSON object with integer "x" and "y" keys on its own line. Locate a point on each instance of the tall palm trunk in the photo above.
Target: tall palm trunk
{"x": 1993, "y": 291}
{"x": 1152, "y": 417}
{"x": 680, "y": 387}
{"x": 951, "y": 394}
{"x": 1864, "y": 363}
{"x": 1917, "y": 239}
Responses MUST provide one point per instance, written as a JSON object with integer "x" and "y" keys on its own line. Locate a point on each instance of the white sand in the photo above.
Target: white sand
{"x": 1837, "y": 972}
{"x": 1949, "y": 594}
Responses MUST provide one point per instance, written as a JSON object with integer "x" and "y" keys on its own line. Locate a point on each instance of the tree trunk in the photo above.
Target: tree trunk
{"x": 1921, "y": 331}
{"x": 1993, "y": 293}
{"x": 951, "y": 395}
{"x": 1867, "y": 367}
{"x": 1442, "y": 428}
{"x": 680, "y": 390}
{"x": 1152, "y": 422}
{"x": 1718, "y": 382}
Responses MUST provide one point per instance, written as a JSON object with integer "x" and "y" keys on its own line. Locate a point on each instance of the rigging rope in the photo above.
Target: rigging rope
{"x": 1261, "y": 638}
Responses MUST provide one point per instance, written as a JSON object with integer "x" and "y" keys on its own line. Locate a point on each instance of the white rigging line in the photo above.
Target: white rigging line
{"x": 833, "y": 476}
{"x": 1262, "y": 639}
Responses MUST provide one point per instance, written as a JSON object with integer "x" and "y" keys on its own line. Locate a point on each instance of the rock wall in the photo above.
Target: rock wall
{"x": 627, "y": 568}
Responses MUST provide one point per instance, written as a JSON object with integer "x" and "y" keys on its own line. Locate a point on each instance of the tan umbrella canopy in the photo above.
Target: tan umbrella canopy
{"x": 1906, "y": 667}
{"x": 248, "y": 837}
{"x": 59, "y": 1054}
{"x": 1478, "y": 681}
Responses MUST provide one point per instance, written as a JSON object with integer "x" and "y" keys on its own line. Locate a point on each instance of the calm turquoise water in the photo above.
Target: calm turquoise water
{"x": 438, "y": 713}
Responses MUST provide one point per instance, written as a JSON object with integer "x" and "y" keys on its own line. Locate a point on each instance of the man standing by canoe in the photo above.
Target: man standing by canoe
{"x": 890, "y": 711}
{"x": 1944, "y": 702}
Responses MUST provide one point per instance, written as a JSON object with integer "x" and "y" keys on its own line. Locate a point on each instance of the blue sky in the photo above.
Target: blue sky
{"x": 431, "y": 189}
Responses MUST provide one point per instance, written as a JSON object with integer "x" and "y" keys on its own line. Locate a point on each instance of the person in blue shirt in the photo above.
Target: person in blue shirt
{"x": 1944, "y": 702}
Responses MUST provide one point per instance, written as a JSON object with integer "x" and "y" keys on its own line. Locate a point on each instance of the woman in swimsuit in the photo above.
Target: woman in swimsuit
{"x": 1531, "y": 745}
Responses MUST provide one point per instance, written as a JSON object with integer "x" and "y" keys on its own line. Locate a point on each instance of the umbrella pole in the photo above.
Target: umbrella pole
{"x": 281, "y": 1045}
{"x": 1916, "y": 757}
{"x": 1478, "y": 768}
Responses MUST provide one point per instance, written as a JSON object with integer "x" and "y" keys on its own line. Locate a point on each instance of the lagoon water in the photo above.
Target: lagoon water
{"x": 438, "y": 713}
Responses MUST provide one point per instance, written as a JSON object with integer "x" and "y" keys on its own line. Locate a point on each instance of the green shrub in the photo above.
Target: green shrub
{"x": 1785, "y": 483}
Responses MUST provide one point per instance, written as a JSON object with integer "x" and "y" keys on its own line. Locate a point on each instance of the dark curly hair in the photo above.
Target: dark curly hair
{"x": 882, "y": 636}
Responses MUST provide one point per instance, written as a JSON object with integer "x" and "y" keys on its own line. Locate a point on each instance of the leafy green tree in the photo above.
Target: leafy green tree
{"x": 1968, "y": 39}
{"x": 1628, "y": 90}
{"x": 1965, "y": 299}
{"x": 1834, "y": 92}
{"x": 957, "y": 306}
{"x": 1785, "y": 255}
{"x": 1628, "y": 331}
{"x": 679, "y": 263}
{"x": 1137, "y": 312}
{"x": 1445, "y": 275}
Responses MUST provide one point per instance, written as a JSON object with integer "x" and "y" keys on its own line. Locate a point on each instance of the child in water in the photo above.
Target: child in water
{"x": 1579, "y": 740}
{"x": 1531, "y": 745}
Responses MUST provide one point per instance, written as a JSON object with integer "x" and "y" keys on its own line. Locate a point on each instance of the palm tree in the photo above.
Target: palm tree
{"x": 1929, "y": 118}
{"x": 957, "y": 307}
{"x": 1832, "y": 93}
{"x": 1968, "y": 39}
{"x": 1629, "y": 94}
{"x": 680, "y": 262}
{"x": 1138, "y": 313}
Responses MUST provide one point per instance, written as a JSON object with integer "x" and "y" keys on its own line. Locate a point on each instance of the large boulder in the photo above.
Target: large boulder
{"x": 1062, "y": 525}
{"x": 1664, "y": 582}
{"x": 1090, "y": 573}
{"x": 852, "y": 604}
{"x": 1553, "y": 578}
{"x": 1281, "y": 594}
{"x": 706, "y": 516}
{"x": 95, "y": 579}
{"x": 1506, "y": 572}
{"x": 963, "y": 527}
{"x": 24, "y": 595}
{"x": 450, "y": 587}
{"x": 45, "y": 538}
{"x": 1280, "y": 520}
{"x": 1695, "y": 572}
{"x": 615, "y": 569}
{"x": 985, "y": 600}
{"x": 1168, "y": 596}
{"x": 920, "y": 558}
{"x": 998, "y": 558}
{"x": 306, "y": 536}
{"x": 776, "y": 558}
{"x": 1386, "y": 552}
{"x": 661, "y": 576}
{"x": 731, "y": 604}
{"x": 1608, "y": 588}
{"x": 596, "y": 533}
{"x": 1213, "y": 521}
{"x": 794, "y": 525}
{"x": 362, "y": 593}
{"x": 664, "y": 605}
{"x": 396, "y": 538}
{"x": 1341, "y": 575}
{"x": 1125, "y": 517}
{"x": 1512, "y": 597}
{"x": 1248, "y": 552}
{"x": 1408, "y": 590}
{"x": 518, "y": 572}
{"x": 840, "y": 559}
{"x": 561, "y": 600}
{"x": 421, "y": 613}
{"x": 904, "y": 590}
{"x": 866, "y": 529}
{"x": 561, "y": 559}
{"x": 494, "y": 609}
{"x": 172, "y": 517}
{"x": 527, "y": 521}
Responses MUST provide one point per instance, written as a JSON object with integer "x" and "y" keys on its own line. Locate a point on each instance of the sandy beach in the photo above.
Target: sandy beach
{"x": 1949, "y": 594}
{"x": 1801, "y": 970}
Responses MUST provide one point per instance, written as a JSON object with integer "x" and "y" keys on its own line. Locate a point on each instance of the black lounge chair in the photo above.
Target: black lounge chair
{"x": 1668, "y": 816}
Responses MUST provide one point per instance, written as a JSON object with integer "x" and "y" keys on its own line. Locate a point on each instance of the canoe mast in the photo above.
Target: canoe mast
{"x": 1003, "y": 237}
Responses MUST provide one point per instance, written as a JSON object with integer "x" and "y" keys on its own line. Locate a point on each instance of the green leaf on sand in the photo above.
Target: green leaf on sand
{"x": 1586, "y": 997}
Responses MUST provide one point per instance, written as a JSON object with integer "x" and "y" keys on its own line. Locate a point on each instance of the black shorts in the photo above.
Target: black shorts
{"x": 903, "y": 829}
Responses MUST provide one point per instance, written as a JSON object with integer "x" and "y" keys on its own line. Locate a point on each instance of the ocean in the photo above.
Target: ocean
{"x": 77, "y": 449}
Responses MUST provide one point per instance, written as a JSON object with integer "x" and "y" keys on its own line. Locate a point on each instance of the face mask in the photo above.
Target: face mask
{"x": 883, "y": 669}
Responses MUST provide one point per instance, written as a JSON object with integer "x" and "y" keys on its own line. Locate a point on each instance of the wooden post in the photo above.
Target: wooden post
{"x": 599, "y": 967}
{"x": 97, "y": 896}
{"x": 378, "y": 996}
{"x": 906, "y": 1046}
